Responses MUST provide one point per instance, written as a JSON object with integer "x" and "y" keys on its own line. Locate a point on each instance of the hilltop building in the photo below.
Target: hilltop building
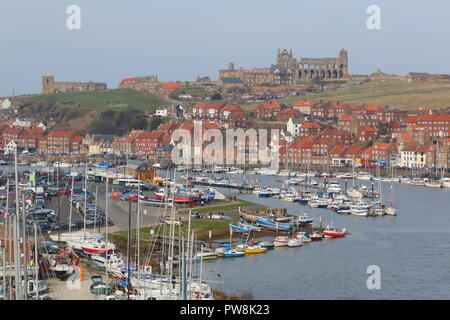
{"x": 49, "y": 86}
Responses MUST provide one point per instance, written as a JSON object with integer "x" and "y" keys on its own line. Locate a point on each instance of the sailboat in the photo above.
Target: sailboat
{"x": 390, "y": 209}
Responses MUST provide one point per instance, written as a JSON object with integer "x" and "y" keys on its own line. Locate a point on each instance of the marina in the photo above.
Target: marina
{"x": 298, "y": 213}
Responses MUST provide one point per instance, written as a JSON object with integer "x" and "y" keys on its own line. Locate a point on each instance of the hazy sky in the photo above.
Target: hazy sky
{"x": 180, "y": 39}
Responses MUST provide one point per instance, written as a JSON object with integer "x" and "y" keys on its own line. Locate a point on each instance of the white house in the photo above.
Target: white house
{"x": 5, "y": 104}
{"x": 293, "y": 127}
{"x": 10, "y": 147}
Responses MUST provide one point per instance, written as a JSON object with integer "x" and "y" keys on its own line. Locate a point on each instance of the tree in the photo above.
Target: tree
{"x": 216, "y": 96}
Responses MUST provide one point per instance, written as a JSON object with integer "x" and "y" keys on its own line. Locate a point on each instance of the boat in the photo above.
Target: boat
{"x": 316, "y": 236}
{"x": 281, "y": 241}
{"x": 359, "y": 208}
{"x": 249, "y": 226}
{"x": 233, "y": 253}
{"x": 343, "y": 208}
{"x": 273, "y": 225}
{"x": 432, "y": 184}
{"x": 154, "y": 202}
{"x": 390, "y": 211}
{"x": 255, "y": 249}
{"x": 293, "y": 242}
{"x": 334, "y": 187}
{"x": 206, "y": 254}
{"x": 266, "y": 244}
{"x": 239, "y": 229}
{"x": 416, "y": 182}
{"x": 303, "y": 236}
{"x": 446, "y": 183}
{"x": 332, "y": 232}
{"x": 303, "y": 220}
{"x": 97, "y": 247}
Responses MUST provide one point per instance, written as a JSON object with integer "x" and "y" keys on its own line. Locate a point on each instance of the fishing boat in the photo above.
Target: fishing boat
{"x": 293, "y": 242}
{"x": 249, "y": 226}
{"x": 303, "y": 220}
{"x": 332, "y": 232}
{"x": 281, "y": 241}
{"x": 154, "y": 202}
{"x": 273, "y": 225}
{"x": 233, "y": 253}
{"x": 343, "y": 208}
{"x": 239, "y": 229}
{"x": 359, "y": 208}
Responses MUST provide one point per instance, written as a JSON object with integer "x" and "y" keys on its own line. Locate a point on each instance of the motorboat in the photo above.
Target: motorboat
{"x": 332, "y": 232}
{"x": 316, "y": 236}
{"x": 303, "y": 236}
{"x": 281, "y": 241}
{"x": 293, "y": 242}
{"x": 233, "y": 253}
{"x": 255, "y": 249}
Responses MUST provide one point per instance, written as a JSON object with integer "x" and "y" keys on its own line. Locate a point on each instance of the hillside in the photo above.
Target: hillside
{"x": 110, "y": 112}
{"x": 400, "y": 94}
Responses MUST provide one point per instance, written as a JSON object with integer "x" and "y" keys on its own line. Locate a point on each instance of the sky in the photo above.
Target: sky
{"x": 181, "y": 39}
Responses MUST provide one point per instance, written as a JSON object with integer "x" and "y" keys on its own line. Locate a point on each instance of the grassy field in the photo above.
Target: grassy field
{"x": 119, "y": 99}
{"x": 400, "y": 94}
{"x": 396, "y": 93}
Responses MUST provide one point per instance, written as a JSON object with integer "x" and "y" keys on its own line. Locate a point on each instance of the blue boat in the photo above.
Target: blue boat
{"x": 273, "y": 225}
{"x": 236, "y": 228}
{"x": 249, "y": 226}
{"x": 233, "y": 253}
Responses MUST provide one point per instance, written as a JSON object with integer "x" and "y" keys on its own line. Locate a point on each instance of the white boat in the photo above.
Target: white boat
{"x": 390, "y": 211}
{"x": 281, "y": 241}
{"x": 293, "y": 242}
{"x": 446, "y": 183}
{"x": 416, "y": 182}
{"x": 432, "y": 184}
{"x": 334, "y": 187}
{"x": 303, "y": 236}
{"x": 359, "y": 208}
{"x": 364, "y": 176}
{"x": 353, "y": 193}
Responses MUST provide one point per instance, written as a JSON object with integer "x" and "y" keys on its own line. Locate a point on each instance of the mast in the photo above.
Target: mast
{"x": 71, "y": 203}
{"x": 85, "y": 200}
{"x": 36, "y": 260}
{"x": 17, "y": 270}
{"x": 24, "y": 248}
{"x": 138, "y": 240}
{"x": 128, "y": 249}
{"x": 6, "y": 237}
{"x": 106, "y": 225}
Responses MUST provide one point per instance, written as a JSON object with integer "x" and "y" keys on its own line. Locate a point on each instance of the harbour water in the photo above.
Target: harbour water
{"x": 412, "y": 250}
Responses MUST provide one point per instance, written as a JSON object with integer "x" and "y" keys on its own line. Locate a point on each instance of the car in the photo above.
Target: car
{"x": 65, "y": 192}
